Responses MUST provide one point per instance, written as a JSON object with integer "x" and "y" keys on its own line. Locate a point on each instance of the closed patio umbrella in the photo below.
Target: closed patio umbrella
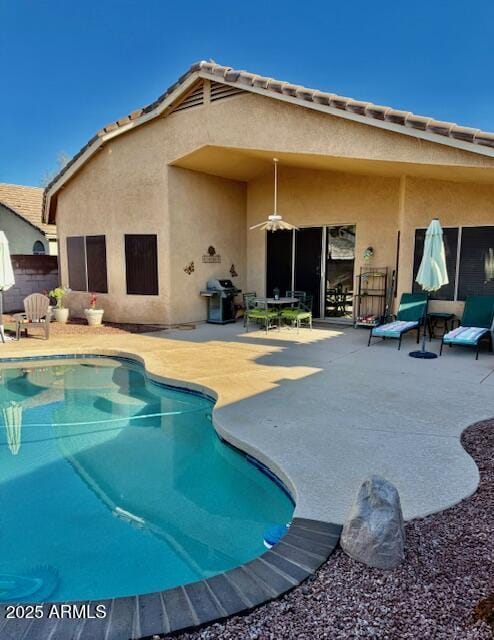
{"x": 7, "y": 279}
{"x": 12, "y": 420}
{"x": 432, "y": 273}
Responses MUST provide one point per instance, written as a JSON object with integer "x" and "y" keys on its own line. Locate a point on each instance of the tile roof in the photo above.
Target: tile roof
{"x": 303, "y": 95}
{"x": 367, "y": 109}
{"x": 26, "y": 202}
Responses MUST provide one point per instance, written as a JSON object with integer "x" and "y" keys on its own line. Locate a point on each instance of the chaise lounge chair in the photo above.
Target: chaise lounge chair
{"x": 475, "y": 326}
{"x": 411, "y": 315}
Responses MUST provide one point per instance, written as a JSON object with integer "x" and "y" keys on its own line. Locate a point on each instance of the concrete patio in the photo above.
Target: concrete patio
{"x": 322, "y": 409}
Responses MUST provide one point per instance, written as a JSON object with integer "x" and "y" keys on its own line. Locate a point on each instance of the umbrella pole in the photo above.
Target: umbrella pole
{"x": 425, "y": 355}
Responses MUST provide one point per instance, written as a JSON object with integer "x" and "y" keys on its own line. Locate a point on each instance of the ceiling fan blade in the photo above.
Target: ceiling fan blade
{"x": 256, "y": 226}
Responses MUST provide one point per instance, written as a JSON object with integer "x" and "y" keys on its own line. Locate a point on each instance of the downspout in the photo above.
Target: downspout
{"x": 400, "y": 232}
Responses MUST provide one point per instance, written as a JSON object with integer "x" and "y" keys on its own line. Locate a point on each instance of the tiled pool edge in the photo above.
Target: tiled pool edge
{"x": 305, "y": 547}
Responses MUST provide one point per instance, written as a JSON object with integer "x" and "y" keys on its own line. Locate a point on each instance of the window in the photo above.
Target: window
{"x": 39, "y": 248}
{"x": 450, "y": 237}
{"x": 474, "y": 275}
{"x": 141, "y": 264}
{"x": 86, "y": 258}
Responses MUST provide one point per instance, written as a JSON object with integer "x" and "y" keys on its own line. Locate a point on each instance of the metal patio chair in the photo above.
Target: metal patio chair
{"x": 260, "y": 313}
{"x": 302, "y": 313}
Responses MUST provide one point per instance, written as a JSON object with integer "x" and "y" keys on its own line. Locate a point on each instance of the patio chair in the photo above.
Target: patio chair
{"x": 411, "y": 315}
{"x": 247, "y": 295}
{"x": 476, "y": 324}
{"x": 300, "y": 295}
{"x": 36, "y": 311}
{"x": 260, "y": 313}
{"x": 302, "y": 313}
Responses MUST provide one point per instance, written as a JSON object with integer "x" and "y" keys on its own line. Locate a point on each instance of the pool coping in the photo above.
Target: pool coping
{"x": 304, "y": 548}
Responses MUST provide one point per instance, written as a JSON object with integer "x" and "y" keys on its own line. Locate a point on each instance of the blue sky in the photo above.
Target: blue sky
{"x": 68, "y": 68}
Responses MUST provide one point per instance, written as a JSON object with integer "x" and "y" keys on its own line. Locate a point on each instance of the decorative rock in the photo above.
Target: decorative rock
{"x": 373, "y": 532}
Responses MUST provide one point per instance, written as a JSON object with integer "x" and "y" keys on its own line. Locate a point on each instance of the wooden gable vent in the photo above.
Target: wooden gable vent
{"x": 194, "y": 98}
{"x": 220, "y": 91}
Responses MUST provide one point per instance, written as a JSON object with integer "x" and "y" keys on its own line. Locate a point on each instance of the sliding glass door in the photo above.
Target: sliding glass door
{"x": 317, "y": 260}
{"x": 308, "y": 251}
{"x": 279, "y": 261}
{"x": 340, "y": 261}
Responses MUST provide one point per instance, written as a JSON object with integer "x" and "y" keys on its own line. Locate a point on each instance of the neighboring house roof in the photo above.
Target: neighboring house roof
{"x": 27, "y": 203}
{"x": 449, "y": 133}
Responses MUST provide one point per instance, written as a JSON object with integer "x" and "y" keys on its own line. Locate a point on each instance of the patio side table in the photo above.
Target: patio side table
{"x": 434, "y": 318}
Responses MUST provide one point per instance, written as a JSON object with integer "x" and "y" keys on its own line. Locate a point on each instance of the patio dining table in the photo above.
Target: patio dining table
{"x": 277, "y": 301}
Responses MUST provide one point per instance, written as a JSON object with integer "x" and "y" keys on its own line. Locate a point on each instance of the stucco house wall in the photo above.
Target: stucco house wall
{"x": 20, "y": 234}
{"x": 317, "y": 198}
{"x": 122, "y": 190}
{"x": 203, "y": 211}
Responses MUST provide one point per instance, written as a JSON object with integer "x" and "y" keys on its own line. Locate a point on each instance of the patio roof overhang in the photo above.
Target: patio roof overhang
{"x": 245, "y": 164}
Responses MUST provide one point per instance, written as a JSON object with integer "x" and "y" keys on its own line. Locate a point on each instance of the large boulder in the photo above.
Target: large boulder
{"x": 373, "y": 532}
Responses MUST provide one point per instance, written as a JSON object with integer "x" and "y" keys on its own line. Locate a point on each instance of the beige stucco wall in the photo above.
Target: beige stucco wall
{"x": 204, "y": 211}
{"x": 20, "y": 234}
{"x": 255, "y": 122}
{"x": 122, "y": 190}
{"x": 129, "y": 187}
{"x": 317, "y": 198}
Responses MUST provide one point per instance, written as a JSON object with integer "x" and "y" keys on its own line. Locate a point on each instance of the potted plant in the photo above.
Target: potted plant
{"x": 93, "y": 315}
{"x": 60, "y": 312}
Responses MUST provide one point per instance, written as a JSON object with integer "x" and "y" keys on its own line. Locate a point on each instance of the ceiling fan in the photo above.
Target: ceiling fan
{"x": 275, "y": 222}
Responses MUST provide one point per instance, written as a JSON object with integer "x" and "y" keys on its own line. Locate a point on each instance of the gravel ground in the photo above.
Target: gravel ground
{"x": 78, "y": 326}
{"x": 449, "y": 568}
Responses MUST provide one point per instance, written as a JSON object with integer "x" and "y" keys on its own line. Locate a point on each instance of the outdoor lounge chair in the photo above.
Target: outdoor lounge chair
{"x": 476, "y": 324}
{"x": 36, "y": 311}
{"x": 411, "y": 315}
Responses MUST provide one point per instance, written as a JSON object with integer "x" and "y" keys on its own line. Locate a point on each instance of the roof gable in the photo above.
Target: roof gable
{"x": 225, "y": 81}
{"x": 27, "y": 203}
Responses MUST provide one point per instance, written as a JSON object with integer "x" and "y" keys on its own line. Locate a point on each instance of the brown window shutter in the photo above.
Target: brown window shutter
{"x": 97, "y": 279}
{"x": 76, "y": 259}
{"x": 141, "y": 264}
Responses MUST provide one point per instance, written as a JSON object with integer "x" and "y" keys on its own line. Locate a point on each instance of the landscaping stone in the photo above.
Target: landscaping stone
{"x": 373, "y": 532}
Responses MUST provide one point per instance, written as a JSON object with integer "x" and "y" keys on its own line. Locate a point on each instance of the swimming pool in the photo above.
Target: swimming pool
{"x": 113, "y": 485}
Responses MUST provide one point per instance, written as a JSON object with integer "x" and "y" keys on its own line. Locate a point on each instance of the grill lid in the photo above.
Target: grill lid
{"x": 220, "y": 284}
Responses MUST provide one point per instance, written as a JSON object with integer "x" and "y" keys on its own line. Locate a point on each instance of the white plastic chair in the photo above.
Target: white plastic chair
{"x": 36, "y": 311}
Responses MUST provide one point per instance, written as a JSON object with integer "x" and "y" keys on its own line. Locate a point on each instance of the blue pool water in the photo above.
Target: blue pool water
{"x": 112, "y": 485}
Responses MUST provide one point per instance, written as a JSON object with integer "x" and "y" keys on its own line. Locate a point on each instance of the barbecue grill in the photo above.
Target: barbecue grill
{"x": 220, "y": 293}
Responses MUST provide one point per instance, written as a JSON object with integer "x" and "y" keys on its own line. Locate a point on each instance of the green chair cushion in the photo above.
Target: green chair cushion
{"x": 289, "y": 313}
{"x": 261, "y": 314}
